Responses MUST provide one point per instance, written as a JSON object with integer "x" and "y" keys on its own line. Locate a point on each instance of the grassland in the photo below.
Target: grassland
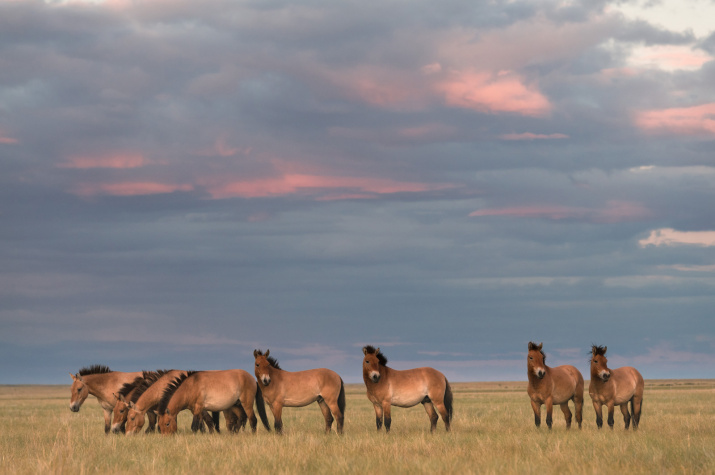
{"x": 493, "y": 432}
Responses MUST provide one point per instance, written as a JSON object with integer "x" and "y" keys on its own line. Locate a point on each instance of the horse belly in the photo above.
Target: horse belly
{"x": 562, "y": 395}
{"x": 407, "y": 400}
{"x": 219, "y": 402}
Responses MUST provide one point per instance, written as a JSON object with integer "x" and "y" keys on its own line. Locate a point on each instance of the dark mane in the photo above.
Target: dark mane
{"x": 170, "y": 390}
{"x": 129, "y": 387}
{"x": 597, "y": 350}
{"x": 380, "y": 356}
{"x": 271, "y": 360}
{"x": 150, "y": 379}
{"x": 534, "y": 347}
{"x": 94, "y": 369}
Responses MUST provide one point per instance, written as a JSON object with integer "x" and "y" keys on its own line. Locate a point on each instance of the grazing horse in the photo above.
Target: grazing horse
{"x": 102, "y": 383}
{"x": 388, "y": 387}
{"x": 142, "y": 402}
{"x": 300, "y": 388}
{"x": 551, "y": 386}
{"x": 119, "y": 419}
{"x": 201, "y": 391}
{"x": 614, "y": 387}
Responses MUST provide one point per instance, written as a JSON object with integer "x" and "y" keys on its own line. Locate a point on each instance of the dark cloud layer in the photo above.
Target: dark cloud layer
{"x": 184, "y": 182}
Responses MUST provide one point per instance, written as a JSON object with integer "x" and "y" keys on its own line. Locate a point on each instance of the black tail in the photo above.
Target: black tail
{"x": 448, "y": 400}
{"x": 261, "y": 407}
{"x": 341, "y": 397}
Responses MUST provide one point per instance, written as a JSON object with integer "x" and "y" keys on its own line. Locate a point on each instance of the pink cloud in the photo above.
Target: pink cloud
{"x": 4, "y": 139}
{"x": 670, "y": 57}
{"x": 117, "y": 160}
{"x": 221, "y": 148}
{"x": 613, "y": 212}
{"x": 294, "y": 183}
{"x": 671, "y": 237}
{"x": 695, "y": 120}
{"x": 531, "y": 136}
{"x": 485, "y": 92}
{"x": 128, "y": 189}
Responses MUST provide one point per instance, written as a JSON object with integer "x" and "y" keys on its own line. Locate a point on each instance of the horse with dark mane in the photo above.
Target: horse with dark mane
{"x": 299, "y": 388}
{"x": 614, "y": 387}
{"x": 200, "y": 391}
{"x": 121, "y": 408}
{"x": 557, "y": 385}
{"x": 102, "y": 383}
{"x": 388, "y": 387}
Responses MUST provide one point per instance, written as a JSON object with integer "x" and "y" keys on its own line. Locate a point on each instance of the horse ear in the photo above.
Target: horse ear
{"x": 593, "y": 350}
{"x": 255, "y": 353}
{"x": 121, "y": 398}
{"x": 364, "y": 351}
{"x": 167, "y": 411}
{"x": 377, "y": 352}
{"x": 605, "y": 349}
{"x": 74, "y": 378}
{"x": 541, "y": 345}
{"x": 131, "y": 405}
{"x": 268, "y": 352}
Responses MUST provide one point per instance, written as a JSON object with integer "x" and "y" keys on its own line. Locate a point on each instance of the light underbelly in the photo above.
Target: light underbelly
{"x": 219, "y": 402}
{"x": 407, "y": 400}
{"x": 300, "y": 400}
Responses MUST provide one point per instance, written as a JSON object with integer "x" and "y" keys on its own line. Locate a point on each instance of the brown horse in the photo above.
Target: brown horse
{"x": 300, "y": 388}
{"x": 121, "y": 408}
{"x": 614, "y": 387}
{"x": 200, "y": 391}
{"x": 388, "y": 387}
{"x": 550, "y": 386}
{"x": 102, "y": 383}
{"x": 143, "y": 401}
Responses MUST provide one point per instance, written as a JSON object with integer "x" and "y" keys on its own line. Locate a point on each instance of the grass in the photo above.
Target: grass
{"x": 493, "y": 432}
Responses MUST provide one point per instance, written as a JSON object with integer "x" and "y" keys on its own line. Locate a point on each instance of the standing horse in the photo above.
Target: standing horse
{"x": 201, "y": 391}
{"x": 102, "y": 383}
{"x": 300, "y": 388}
{"x": 614, "y": 387}
{"x": 388, "y": 387}
{"x": 551, "y": 386}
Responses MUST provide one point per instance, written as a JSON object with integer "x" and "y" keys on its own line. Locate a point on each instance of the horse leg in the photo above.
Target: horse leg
{"x": 578, "y": 407}
{"x": 245, "y": 403}
{"x": 431, "y": 413}
{"x": 387, "y": 410}
{"x": 626, "y": 416}
{"x": 378, "y": 415}
{"x": 611, "y": 407}
{"x": 537, "y": 412}
{"x": 567, "y": 414}
{"x": 326, "y": 414}
{"x": 277, "y": 411}
{"x": 338, "y": 414}
{"x": 107, "y": 420}
{"x": 444, "y": 412}
{"x": 549, "y": 411}
{"x": 636, "y": 405}
{"x": 599, "y": 413}
{"x": 152, "y": 422}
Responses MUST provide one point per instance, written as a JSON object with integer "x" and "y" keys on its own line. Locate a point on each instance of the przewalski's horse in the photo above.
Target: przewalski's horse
{"x": 143, "y": 401}
{"x": 550, "y": 386}
{"x": 388, "y": 387}
{"x": 300, "y": 388}
{"x": 119, "y": 418}
{"x": 200, "y": 391}
{"x": 614, "y": 387}
{"x": 102, "y": 383}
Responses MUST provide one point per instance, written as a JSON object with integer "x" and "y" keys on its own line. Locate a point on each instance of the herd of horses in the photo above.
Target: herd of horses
{"x": 130, "y": 398}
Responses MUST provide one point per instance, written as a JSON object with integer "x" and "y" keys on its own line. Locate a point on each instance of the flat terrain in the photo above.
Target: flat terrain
{"x": 492, "y": 432}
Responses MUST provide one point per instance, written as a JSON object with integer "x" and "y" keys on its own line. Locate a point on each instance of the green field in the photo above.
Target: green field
{"x": 492, "y": 432}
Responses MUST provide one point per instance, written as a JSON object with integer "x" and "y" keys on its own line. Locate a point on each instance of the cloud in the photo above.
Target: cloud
{"x": 671, "y": 237}
{"x": 7, "y": 140}
{"x": 693, "y": 120}
{"x": 118, "y": 160}
{"x": 532, "y": 136}
{"x": 668, "y": 57}
{"x": 613, "y": 212}
{"x": 139, "y": 188}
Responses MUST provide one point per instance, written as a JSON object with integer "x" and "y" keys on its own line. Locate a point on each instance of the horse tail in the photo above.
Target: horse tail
{"x": 341, "y": 397}
{"x": 448, "y": 399}
{"x": 215, "y": 417}
{"x": 261, "y": 407}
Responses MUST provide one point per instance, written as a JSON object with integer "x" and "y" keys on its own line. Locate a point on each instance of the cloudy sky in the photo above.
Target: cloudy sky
{"x": 183, "y": 182}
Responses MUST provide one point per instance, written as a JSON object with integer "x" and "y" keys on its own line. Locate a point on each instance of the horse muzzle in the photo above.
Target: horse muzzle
{"x": 375, "y": 377}
{"x": 540, "y": 374}
{"x": 74, "y": 407}
{"x": 605, "y": 376}
{"x": 266, "y": 381}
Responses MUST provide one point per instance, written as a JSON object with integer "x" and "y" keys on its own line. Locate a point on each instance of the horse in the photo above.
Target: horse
{"x": 121, "y": 408}
{"x": 146, "y": 397}
{"x": 299, "y": 388}
{"x": 200, "y": 391}
{"x": 102, "y": 383}
{"x": 550, "y": 386}
{"x": 388, "y": 387}
{"x": 615, "y": 387}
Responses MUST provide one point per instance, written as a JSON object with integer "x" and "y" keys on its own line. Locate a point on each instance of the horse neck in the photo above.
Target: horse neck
{"x": 96, "y": 384}
{"x": 536, "y": 382}
{"x": 181, "y": 398}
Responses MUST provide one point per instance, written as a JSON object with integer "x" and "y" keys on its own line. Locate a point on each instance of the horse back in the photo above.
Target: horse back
{"x": 105, "y": 385}
{"x": 629, "y": 382}
{"x": 567, "y": 383}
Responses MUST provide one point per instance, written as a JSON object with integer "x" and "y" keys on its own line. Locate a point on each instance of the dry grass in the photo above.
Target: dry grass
{"x": 493, "y": 432}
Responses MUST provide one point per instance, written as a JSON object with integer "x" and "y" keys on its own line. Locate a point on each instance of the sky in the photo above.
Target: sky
{"x": 184, "y": 182}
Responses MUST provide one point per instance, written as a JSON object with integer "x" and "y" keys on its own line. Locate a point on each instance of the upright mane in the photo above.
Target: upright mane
{"x": 596, "y": 351}
{"x": 380, "y": 356}
{"x": 94, "y": 369}
{"x": 131, "y": 386}
{"x": 533, "y": 346}
{"x": 271, "y": 360}
{"x": 146, "y": 383}
{"x": 170, "y": 390}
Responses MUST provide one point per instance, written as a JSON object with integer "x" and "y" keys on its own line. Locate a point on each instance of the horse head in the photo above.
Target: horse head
{"x": 599, "y": 363}
{"x": 135, "y": 419}
{"x": 373, "y": 363}
{"x": 264, "y": 366}
{"x": 121, "y": 409}
{"x": 167, "y": 423}
{"x": 536, "y": 360}
{"x": 78, "y": 392}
